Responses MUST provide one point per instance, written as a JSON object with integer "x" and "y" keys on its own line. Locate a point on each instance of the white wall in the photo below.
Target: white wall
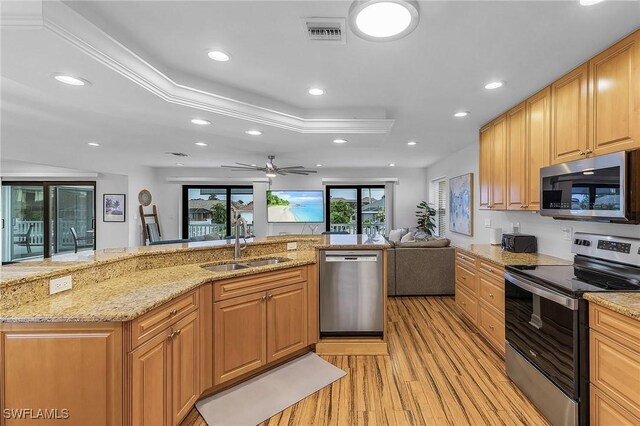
{"x": 409, "y": 191}
{"x": 551, "y": 238}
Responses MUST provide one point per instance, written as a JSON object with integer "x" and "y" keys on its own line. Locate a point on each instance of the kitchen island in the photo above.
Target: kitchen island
{"x": 146, "y": 332}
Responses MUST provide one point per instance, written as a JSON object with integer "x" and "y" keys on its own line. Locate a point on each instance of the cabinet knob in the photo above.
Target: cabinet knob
{"x": 175, "y": 333}
{"x": 269, "y": 296}
{"x": 491, "y": 327}
{"x": 264, "y": 298}
{"x": 464, "y": 278}
{"x": 464, "y": 303}
{"x": 491, "y": 270}
{"x": 587, "y": 152}
{"x": 582, "y": 153}
{"x": 173, "y": 312}
{"x": 491, "y": 295}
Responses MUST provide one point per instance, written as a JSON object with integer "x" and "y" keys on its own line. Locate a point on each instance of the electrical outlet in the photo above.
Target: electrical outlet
{"x": 292, "y": 246}
{"x": 487, "y": 223}
{"x": 568, "y": 233}
{"x": 60, "y": 284}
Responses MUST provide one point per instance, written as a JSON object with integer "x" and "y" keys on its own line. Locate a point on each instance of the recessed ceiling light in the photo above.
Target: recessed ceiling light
{"x": 316, "y": 91}
{"x": 339, "y": 141}
{"x": 200, "y": 122}
{"x": 318, "y": 165}
{"x": 412, "y": 143}
{"x": 589, "y": 2}
{"x": 93, "y": 144}
{"x": 202, "y": 143}
{"x": 392, "y": 164}
{"x": 179, "y": 164}
{"x": 219, "y": 55}
{"x": 493, "y": 85}
{"x": 70, "y": 80}
{"x": 383, "y": 20}
{"x": 253, "y": 132}
{"x": 461, "y": 114}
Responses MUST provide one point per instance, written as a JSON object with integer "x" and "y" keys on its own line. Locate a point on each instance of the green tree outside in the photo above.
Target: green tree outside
{"x": 341, "y": 212}
{"x": 218, "y": 213}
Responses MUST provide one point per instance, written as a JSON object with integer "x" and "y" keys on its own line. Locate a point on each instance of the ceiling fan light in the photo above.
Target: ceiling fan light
{"x": 271, "y": 174}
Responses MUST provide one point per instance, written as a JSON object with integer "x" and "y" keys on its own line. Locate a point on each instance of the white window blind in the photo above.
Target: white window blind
{"x": 441, "y": 206}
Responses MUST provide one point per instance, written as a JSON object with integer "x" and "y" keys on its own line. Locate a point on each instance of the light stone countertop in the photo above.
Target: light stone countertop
{"x": 128, "y": 296}
{"x": 627, "y": 304}
{"x": 496, "y": 255}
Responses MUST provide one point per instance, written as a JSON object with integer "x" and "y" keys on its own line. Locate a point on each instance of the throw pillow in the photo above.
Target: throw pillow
{"x": 407, "y": 238}
{"x": 395, "y": 235}
{"x": 420, "y": 235}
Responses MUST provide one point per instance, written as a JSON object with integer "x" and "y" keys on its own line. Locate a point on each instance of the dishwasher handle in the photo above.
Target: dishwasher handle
{"x": 351, "y": 258}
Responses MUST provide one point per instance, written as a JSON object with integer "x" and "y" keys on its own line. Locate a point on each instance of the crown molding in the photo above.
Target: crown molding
{"x": 47, "y": 175}
{"x": 225, "y": 181}
{"x": 63, "y": 21}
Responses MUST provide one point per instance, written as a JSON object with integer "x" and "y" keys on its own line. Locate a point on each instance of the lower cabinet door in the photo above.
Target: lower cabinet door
{"x": 605, "y": 411}
{"x": 185, "y": 361}
{"x": 287, "y": 320}
{"x": 240, "y": 335}
{"x": 151, "y": 382}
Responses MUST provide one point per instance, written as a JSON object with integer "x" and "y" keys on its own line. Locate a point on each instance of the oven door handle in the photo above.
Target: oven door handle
{"x": 565, "y": 301}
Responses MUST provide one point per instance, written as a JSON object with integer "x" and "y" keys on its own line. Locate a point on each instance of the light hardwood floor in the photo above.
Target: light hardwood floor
{"x": 439, "y": 372}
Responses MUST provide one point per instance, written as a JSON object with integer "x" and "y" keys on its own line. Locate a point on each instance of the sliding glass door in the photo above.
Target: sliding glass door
{"x": 356, "y": 209}
{"x": 41, "y": 219}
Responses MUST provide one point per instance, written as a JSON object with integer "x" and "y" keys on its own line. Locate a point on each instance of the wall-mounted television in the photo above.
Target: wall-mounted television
{"x": 295, "y": 206}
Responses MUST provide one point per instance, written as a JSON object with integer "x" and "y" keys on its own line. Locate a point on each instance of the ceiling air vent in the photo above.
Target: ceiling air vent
{"x": 177, "y": 154}
{"x": 325, "y": 30}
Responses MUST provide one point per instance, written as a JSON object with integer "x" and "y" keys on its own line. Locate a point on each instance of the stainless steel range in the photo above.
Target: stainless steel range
{"x": 546, "y": 320}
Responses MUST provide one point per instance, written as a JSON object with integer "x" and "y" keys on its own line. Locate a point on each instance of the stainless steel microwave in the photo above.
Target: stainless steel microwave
{"x": 604, "y": 188}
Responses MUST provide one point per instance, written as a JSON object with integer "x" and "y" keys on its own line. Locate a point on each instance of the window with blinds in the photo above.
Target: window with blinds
{"x": 441, "y": 206}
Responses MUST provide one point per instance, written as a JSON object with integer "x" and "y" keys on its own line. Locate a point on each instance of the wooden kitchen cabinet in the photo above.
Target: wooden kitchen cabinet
{"x": 493, "y": 161}
{"x": 286, "y": 321}
{"x": 538, "y": 148}
{"x": 517, "y": 158}
{"x": 614, "y": 97}
{"x": 479, "y": 293}
{"x": 165, "y": 373}
{"x": 569, "y": 96}
{"x": 614, "y": 352}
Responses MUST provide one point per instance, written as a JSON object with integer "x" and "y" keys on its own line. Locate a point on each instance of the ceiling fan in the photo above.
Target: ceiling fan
{"x": 271, "y": 169}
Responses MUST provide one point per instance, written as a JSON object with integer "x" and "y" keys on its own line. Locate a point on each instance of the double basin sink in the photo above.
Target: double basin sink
{"x": 234, "y": 266}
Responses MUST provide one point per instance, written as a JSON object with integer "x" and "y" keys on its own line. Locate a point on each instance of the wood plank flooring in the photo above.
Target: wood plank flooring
{"x": 439, "y": 372}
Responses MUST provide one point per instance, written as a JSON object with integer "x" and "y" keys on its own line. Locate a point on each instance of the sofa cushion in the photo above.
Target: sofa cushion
{"x": 444, "y": 242}
{"x": 407, "y": 238}
{"x": 395, "y": 235}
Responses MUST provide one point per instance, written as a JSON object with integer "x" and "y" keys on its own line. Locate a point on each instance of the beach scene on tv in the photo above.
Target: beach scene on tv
{"x": 295, "y": 206}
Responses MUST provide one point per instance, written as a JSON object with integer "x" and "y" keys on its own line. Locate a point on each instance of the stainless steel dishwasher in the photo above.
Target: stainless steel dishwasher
{"x": 351, "y": 293}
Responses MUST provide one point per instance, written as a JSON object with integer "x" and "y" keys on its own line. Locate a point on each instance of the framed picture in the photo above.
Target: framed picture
{"x": 461, "y": 204}
{"x": 114, "y": 208}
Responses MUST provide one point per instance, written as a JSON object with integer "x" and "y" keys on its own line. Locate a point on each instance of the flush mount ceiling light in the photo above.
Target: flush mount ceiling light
{"x": 392, "y": 164}
{"x": 219, "y": 55}
{"x": 93, "y": 144}
{"x": 70, "y": 80}
{"x": 383, "y": 20}
{"x": 200, "y": 122}
{"x": 316, "y": 91}
{"x": 493, "y": 85}
{"x": 253, "y": 132}
{"x": 339, "y": 141}
{"x": 411, "y": 143}
{"x": 179, "y": 164}
{"x": 461, "y": 114}
{"x": 318, "y": 165}
{"x": 202, "y": 144}
{"x": 589, "y": 2}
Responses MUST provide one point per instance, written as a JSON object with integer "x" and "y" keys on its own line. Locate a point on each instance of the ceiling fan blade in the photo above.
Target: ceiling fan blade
{"x": 297, "y": 172}
{"x": 240, "y": 167}
{"x": 291, "y": 167}
{"x": 247, "y": 165}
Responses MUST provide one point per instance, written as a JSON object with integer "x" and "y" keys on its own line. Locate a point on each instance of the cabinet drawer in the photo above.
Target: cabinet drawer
{"x": 615, "y": 369}
{"x": 467, "y": 303}
{"x": 491, "y": 325}
{"x": 466, "y": 278}
{"x": 466, "y": 259}
{"x": 616, "y": 326}
{"x": 492, "y": 269}
{"x": 145, "y": 327}
{"x": 491, "y": 291}
{"x": 241, "y": 286}
{"x": 606, "y": 412}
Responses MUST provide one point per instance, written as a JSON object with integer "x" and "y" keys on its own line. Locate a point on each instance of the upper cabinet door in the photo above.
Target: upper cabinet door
{"x": 486, "y": 139}
{"x": 499, "y": 164}
{"x": 516, "y": 158}
{"x": 614, "y": 97}
{"x": 569, "y": 117}
{"x": 538, "y": 145}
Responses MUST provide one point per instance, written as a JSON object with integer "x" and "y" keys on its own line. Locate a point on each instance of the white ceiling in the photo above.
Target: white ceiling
{"x": 418, "y": 81}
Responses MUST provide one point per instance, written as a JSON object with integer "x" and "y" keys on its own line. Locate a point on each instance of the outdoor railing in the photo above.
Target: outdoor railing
{"x": 197, "y": 230}
{"x": 367, "y": 228}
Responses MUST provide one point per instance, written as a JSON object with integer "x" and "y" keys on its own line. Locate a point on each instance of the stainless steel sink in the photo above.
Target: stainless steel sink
{"x": 234, "y": 266}
{"x": 271, "y": 261}
{"x": 226, "y": 267}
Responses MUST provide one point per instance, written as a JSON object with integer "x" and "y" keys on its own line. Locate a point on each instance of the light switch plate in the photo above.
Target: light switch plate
{"x": 292, "y": 246}
{"x": 60, "y": 284}
{"x": 487, "y": 223}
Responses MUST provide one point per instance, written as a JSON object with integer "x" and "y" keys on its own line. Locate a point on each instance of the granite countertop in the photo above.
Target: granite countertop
{"x": 131, "y": 295}
{"x": 627, "y": 304}
{"x": 495, "y": 254}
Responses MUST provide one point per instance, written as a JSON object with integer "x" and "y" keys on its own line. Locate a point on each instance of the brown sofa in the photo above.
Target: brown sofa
{"x": 421, "y": 268}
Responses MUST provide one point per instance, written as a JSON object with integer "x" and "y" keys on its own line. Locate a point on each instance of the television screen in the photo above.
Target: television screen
{"x": 295, "y": 206}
